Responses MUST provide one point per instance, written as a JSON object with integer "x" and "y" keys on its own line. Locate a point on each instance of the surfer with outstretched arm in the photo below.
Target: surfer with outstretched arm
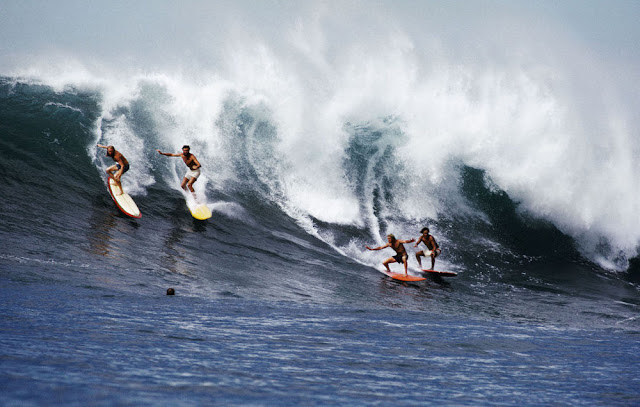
{"x": 192, "y": 163}
{"x": 120, "y": 167}
{"x": 429, "y": 241}
{"x": 401, "y": 253}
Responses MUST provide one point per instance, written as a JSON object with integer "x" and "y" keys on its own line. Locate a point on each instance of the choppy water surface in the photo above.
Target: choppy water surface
{"x": 78, "y": 346}
{"x": 511, "y": 131}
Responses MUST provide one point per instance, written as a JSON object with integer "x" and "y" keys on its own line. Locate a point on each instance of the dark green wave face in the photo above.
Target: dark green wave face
{"x": 57, "y": 212}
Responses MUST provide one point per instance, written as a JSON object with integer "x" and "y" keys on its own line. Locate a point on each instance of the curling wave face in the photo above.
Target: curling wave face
{"x": 324, "y": 135}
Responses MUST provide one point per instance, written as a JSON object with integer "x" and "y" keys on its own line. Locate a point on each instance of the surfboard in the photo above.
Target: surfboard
{"x": 122, "y": 200}
{"x": 402, "y": 277}
{"x": 439, "y": 273}
{"x": 200, "y": 211}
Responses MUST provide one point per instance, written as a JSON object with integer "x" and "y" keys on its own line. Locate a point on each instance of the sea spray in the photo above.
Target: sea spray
{"x": 532, "y": 106}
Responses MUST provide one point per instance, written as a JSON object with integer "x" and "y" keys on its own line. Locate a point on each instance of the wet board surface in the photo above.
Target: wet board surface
{"x": 403, "y": 277}
{"x": 439, "y": 273}
{"x": 200, "y": 212}
{"x": 122, "y": 200}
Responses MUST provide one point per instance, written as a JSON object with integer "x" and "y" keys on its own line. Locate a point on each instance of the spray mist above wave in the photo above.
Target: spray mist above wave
{"x": 364, "y": 115}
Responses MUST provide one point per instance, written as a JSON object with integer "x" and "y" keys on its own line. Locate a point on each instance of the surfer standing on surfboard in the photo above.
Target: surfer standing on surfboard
{"x": 120, "y": 167}
{"x": 401, "y": 253}
{"x": 194, "y": 168}
{"x": 429, "y": 241}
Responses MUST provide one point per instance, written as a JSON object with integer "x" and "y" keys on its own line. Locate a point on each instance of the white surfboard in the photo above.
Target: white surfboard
{"x": 122, "y": 200}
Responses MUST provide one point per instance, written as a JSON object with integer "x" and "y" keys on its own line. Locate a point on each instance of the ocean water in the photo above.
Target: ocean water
{"x": 319, "y": 135}
{"x": 127, "y": 349}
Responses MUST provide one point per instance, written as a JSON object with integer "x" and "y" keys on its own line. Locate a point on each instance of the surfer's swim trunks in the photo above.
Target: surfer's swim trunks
{"x": 192, "y": 174}
{"x": 126, "y": 167}
{"x": 398, "y": 258}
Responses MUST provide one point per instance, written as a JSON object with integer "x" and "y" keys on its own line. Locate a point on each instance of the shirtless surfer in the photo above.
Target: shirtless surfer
{"x": 194, "y": 168}
{"x": 401, "y": 253}
{"x": 120, "y": 167}
{"x": 429, "y": 241}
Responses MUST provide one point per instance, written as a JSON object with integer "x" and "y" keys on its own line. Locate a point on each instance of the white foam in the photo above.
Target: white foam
{"x": 554, "y": 126}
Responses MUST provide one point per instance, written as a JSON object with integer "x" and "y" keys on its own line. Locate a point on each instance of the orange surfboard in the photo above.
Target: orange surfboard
{"x": 440, "y": 273}
{"x": 403, "y": 277}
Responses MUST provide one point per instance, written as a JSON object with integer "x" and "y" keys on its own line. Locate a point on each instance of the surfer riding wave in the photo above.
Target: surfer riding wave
{"x": 401, "y": 253}
{"x": 192, "y": 163}
{"x": 120, "y": 167}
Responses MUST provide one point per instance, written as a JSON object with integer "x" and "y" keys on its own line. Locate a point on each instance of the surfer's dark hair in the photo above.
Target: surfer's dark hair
{"x": 423, "y": 229}
{"x": 186, "y": 146}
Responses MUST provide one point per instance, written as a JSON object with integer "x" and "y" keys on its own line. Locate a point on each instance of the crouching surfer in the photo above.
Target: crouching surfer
{"x": 120, "y": 167}
{"x": 401, "y": 253}
{"x": 432, "y": 246}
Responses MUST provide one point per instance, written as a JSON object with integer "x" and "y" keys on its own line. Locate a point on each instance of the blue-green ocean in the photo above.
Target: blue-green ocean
{"x": 321, "y": 128}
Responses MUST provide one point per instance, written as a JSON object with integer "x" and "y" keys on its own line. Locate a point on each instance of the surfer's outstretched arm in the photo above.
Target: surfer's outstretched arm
{"x": 169, "y": 154}
{"x": 377, "y": 248}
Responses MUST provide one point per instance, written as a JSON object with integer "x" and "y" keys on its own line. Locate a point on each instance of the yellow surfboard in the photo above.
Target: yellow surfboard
{"x": 122, "y": 200}
{"x": 200, "y": 212}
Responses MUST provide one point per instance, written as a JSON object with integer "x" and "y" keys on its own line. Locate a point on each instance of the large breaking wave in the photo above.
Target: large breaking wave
{"x": 357, "y": 124}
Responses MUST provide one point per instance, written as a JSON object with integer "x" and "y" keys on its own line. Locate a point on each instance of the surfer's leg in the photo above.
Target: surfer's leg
{"x": 386, "y": 263}
{"x": 435, "y": 253}
{"x": 418, "y": 255}
{"x": 110, "y": 170}
{"x": 405, "y": 260}
{"x": 190, "y": 185}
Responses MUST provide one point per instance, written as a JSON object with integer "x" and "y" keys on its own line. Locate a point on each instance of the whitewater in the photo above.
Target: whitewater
{"x": 510, "y": 130}
{"x": 548, "y": 124}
